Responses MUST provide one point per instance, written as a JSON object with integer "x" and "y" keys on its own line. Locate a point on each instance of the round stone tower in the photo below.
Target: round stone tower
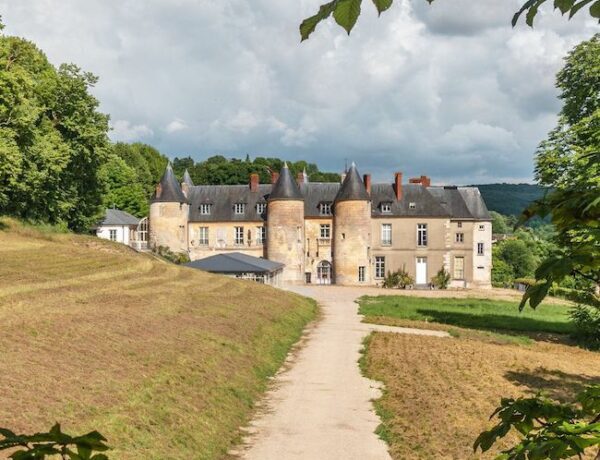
{"x": 285, "y": 226}
{"x": 169, "y": 214}
{"x": 352, "y": 231}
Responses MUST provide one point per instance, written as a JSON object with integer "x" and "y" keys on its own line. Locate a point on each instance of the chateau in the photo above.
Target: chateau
{"x": 352, "y": 233}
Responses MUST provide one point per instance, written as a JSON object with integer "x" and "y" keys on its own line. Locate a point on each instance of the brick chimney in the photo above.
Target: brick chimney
{"x": 274, "y": 177}
{"x": 254, "y": 181}
{"x": 367, "y": 181}
{"x": 398, "y": 185}
{"x": 423, "y": 180}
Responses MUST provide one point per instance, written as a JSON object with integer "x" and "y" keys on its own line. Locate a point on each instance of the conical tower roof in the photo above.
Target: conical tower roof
{"x": 353, "y": 188}
{"x": 286, "y": 187}
{"x": 187, "y": 179}
{"x": 168, "y": 189}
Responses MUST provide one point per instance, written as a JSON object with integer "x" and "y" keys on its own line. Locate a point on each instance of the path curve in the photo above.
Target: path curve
{"x": 320, "y": 408}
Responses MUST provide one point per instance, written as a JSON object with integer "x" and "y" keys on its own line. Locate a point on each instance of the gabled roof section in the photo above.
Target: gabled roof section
{"x": 223, "y": 198}
{"x": 187, "y": 179}
{"x": 235, "y": 262}
{"x": 168, "y": 189}
{"x": 118, "y": 217}
{"x": 461, "y": 202}
{"x": 353, "y": 188}
{"x": 286, "y": 187}
{"x": 425, "y": 203}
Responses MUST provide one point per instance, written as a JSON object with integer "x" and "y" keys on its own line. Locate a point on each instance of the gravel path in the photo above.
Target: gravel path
{"x": 320, "y": 407}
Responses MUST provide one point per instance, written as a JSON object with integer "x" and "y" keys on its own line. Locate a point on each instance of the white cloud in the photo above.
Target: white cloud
{"x": 124, "y": 131}
{"x": 176, "y": 125}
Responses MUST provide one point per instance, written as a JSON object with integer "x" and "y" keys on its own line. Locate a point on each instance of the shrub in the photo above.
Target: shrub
{"x": 175, "y": 257}
{"x": 586, "y": 320}
{"x": 442, "y": 279}
{"x": 398, "y": 279}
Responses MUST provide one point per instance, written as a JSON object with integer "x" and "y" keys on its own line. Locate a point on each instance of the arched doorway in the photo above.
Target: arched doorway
{"x": 324, "y": 272}
{"x": 141, "y": 235}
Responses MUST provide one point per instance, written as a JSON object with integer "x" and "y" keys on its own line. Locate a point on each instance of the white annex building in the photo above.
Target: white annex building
{"x": 122, "y": 227}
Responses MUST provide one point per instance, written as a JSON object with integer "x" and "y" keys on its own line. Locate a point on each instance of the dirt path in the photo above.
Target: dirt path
{"x": 321, "y": 407}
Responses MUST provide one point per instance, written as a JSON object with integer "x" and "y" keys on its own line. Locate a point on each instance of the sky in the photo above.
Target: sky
{"x": 449, "y": 90}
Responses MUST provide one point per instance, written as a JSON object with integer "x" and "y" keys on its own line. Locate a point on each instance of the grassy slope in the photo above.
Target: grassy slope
{"x": 439, "y": 393}
{"x": 164, "y": 361}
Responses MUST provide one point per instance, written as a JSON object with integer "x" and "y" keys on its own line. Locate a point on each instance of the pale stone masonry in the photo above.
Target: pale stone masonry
{"x": 352, "y": 233}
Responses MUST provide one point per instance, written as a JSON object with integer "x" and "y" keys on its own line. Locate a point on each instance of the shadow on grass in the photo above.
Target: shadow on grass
{"x": 3, "y": 225}
{"x": 557, "y": 384}
{"x": 521, "y": 325}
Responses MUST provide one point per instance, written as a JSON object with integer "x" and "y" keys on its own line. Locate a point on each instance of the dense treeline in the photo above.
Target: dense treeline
{"x": 510, "y": 199}
{"x": 219, "y": 170}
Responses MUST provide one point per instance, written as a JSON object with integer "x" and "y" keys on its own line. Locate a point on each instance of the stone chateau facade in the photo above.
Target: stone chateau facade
{"x": 352, "y": 233}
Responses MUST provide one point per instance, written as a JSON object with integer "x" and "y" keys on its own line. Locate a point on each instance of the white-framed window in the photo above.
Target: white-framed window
{"x": 261, "y": 208}
{"x": 203, "y": 235}
{"x": 459, "y": 224}
{"x": 379, "y": 267}
{"x": 361, "y": 274}
{"x": 299, "y": 234}
{"x": 412, "y": 205}
{"x": 205, "y": 209}
{"x": 239, "y": 208}
{"x": 325, "y": 208}
{"x": 481, "y": 227}
{"x": 112, "y": 234}
{"x": 421, "y": 234}
{"x": 459, "y": 268}
{"x": 261, "y": 235}
{"x": 325, "y": 231}
{"x": 480, "y": 249}
{"x": 386, "y": 234}
{"x": 460, "y": 238}
{"x": 386, "y": 207}
{"x": 239, "y": 235}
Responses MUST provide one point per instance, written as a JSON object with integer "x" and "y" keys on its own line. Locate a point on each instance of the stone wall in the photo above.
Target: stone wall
{"x": 285, "y": 236}
{"x": 352, "y": 240}
{"x": 168, "y": 224}
{"x": 221, "y": 239}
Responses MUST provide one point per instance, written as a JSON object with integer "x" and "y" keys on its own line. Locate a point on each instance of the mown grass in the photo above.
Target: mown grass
{"x": 165, "y": 361}
{"x": 479, "y": 314}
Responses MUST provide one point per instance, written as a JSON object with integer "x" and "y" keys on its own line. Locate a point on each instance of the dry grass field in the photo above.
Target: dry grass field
{"x": 439, "y": 393}
{"x": 165, "y": 361}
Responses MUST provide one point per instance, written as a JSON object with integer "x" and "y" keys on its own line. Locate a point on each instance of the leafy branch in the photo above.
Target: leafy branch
{"x": 346, "y": 12}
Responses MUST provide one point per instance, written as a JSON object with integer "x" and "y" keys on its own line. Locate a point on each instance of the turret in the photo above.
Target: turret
{"x": 186, "y": 184}
{"x": 285, "y": 226}
{"x": 352, "y": 231}
{"x": 169, "y": 213}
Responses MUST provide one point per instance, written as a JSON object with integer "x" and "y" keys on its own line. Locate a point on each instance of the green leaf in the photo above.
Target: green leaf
{"x": 563, "y": 5}
{"x": 346, "y": 13}
{"x": 595, "y": 12}
{"x": 528, "y": 4}
{"x": 578, "y": 6}
{"x": 382, "y": 5}
{"x": 309, "y": 25}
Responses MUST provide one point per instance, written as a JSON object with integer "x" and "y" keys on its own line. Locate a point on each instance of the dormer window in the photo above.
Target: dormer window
{"x": 412, "y": 205}
{"x": 239, "y": 208}
{"x": 386, "y": 207}
{"x": 261, "y": 208}
{"x": 325, "y": 208}
{"x": 205, "y": 209}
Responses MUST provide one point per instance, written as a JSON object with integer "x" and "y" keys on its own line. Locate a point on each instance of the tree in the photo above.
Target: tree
{"x": 500, "y": 223}
{"x": 346, "y": 12}
{"x": 124, "y": 191}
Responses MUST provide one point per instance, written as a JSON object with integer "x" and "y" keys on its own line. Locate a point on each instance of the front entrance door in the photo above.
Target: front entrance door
{"x": 324, "y": 272}
{"x": 421, "y": 270}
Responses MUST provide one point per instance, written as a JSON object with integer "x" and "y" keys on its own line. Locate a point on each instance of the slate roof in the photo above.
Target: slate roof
{"x": 353, "y": 188}
{"x": 118, "y": 217}
{"x": 235, "y": 262}
{"x": 223, "y": 198}
{"x": 168, "y": 189}
{"x": 187, "y": 179}
{"x": 286, "y": 187}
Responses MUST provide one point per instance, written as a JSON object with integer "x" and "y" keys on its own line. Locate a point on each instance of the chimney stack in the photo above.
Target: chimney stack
{"x": 254, "y": 181}
{"x": 423, "y": 180}
{"x": 398, "y": 185}
{"x": 367, "y": 181}
{"x": 274, "y": 177}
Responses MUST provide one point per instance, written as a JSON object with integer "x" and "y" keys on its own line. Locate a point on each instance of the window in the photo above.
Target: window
{"x": 459, "y": 268}
{"x": 386, "y": 207}
{"x": 203, "y": 235}
{"x": 261, "y": 235}
{"x": 480, "y": 247}
{"x": 239, "y": 208}
{"x": 481, "y": 227}
{"x": 325, "y": 208}
{"x": 239, "y": 235}
{"x": 325, "y": 231}
{"x": 361, "y": 274}
{"x": 386, "y": 234}
{"x": 379, "y": 267}
{"x": 421, "y": 234}
{"x": 205, "y": 209}
{"x": 412, "y": 205}
{"x": 459, "y": 224}
{"x": 112, "y": 235}
{"x": 261, "y": 208}
{"x": 460, "y": 237}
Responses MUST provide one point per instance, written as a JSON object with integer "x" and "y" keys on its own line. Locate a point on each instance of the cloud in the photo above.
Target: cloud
{"x": 448, "y": 89}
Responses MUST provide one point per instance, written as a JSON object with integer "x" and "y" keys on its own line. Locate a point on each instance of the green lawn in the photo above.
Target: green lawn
{"x": 480, "y": 314}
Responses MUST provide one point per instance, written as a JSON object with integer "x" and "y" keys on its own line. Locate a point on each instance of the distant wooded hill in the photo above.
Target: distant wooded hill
{"x": 510, "y": 199}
